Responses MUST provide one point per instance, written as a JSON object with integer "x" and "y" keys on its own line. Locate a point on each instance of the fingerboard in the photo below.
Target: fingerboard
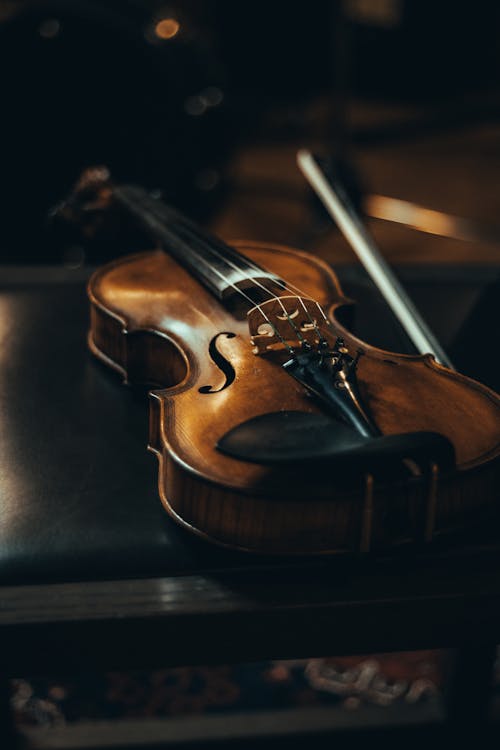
{"x": 221, "y": 268}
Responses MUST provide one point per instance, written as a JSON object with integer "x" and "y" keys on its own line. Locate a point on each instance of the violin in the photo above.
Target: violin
{"x": 276, "y": 429}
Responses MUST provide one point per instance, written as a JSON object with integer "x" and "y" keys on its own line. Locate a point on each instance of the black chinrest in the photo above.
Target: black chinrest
{"x": 288, "y": 438}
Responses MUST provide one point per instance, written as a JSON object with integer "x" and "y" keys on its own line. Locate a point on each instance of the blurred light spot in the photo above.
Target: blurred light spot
{"x": 167, "y": 28}
{"x": 403, "y": 212}
{"x": 207, "y": 179}
{"x": 58, "y": 692}
{"x": 382, "y": 13}
{"x": 50, "y": 28}
{"x": 212, "y": 95}
{"x": 195, "y": 105}
{"x": 352, "y": 703}
{"x": 279, "y": 673}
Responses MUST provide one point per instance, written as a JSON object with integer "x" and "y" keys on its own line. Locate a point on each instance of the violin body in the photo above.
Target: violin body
{"x": 155, "y": 323}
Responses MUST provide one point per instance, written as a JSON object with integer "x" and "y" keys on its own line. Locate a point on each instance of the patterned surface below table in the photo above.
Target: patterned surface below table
{"x": 348, "y": 683}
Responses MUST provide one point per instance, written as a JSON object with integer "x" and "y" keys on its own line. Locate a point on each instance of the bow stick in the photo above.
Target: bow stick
{"x": 344, "y": 214}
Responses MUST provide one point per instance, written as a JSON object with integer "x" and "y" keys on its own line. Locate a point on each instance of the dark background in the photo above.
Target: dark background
{"x": 86, "y": 82}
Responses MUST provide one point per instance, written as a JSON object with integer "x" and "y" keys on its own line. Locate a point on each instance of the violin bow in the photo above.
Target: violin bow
{"x": 342, "y": 211}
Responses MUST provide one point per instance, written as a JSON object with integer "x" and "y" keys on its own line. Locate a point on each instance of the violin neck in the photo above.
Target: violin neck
{"x": 221, "y": 268}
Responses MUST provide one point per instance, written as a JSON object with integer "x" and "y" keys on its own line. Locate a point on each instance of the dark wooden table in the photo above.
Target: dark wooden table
{"x": 94, "y": 575}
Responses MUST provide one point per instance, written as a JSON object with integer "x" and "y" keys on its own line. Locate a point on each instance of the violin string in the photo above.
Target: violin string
{"x": 185, "y": 224}
{"x": 287, "y": 286}
{"x": 254, "y": 304}
{"x": 181, "y": 223}
{"x": 257, "y": 283}
{"x": 298, "y": 293}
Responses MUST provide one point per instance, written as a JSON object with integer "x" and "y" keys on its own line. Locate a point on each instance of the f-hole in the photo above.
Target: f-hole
{"x": 222, "y": 363}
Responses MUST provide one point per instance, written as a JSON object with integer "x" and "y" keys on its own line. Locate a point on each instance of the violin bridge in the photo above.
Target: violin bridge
{"x": 284, "y": 322}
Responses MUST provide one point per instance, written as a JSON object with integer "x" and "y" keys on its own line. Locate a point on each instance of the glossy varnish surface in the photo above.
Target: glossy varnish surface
{"x": 154, "y": 323}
